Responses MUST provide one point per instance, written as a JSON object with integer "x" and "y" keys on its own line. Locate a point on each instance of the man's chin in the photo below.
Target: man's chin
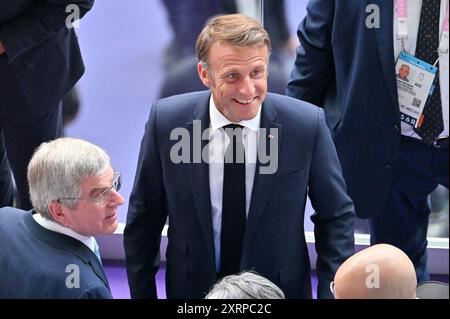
{"x": 246, "y": 116}
{"x": 110, "y": 229}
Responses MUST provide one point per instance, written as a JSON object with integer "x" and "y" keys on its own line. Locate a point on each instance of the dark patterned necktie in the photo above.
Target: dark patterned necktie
{"x": 233, "y": 204}
{"x": 427, "y": 44}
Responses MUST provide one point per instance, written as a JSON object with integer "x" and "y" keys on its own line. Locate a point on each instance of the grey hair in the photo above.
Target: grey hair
{"x": 246, "y": 285}
{"x": 235, "y": 29}
{"x": 57, "y": 169}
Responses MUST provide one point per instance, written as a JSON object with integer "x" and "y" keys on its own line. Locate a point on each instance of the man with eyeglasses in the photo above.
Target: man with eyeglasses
{"x": 50, "y": 251}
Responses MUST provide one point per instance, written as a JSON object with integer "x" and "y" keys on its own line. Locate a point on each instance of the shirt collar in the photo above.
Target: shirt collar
{"x": 54, "y": 226}
{"x": 218, "y": 120}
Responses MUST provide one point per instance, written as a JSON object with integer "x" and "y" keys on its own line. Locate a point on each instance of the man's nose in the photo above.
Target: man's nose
{"x": 116, "y": 198}
{"x": 247, "y": 88}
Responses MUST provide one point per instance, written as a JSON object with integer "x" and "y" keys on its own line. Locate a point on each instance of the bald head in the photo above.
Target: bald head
{"x": 377, "y": 272}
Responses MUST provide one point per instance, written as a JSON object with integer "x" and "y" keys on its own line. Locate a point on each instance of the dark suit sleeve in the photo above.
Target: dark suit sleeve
{"x": 275, "y": 22}
{"x": 334, "y": 211}
{"x": 147, "y": 214}
{"x": 97, "y": 292}
{"x": 40, "y": 21}
{"x": 313, "y": 71}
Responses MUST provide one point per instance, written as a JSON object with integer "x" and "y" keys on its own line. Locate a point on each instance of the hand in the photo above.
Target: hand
{"x": 2, "y": 48}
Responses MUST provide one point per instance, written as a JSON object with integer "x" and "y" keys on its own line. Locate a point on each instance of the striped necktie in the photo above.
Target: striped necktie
{"x": 427, "y": 44}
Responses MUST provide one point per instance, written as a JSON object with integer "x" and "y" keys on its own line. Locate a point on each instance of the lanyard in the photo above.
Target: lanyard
{"x": 443, "y": 43}
{"x": 402, "y": 27}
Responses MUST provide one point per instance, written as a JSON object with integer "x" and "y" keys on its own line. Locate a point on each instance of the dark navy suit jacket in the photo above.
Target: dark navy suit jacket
{"x": 363, "y": 111}
{"x": 37, "y": 263}
{"x": 274, "y": 243}
{"x": 43, "y": 53}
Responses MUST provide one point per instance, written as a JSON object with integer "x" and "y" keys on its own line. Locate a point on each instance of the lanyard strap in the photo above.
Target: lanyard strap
{"x": 402, "y": 21}
{"x": 402, "y": 26}
{"x": 443, "y": 42}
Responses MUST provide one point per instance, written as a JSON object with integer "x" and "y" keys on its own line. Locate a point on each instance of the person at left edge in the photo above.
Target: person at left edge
{"x": 40, "y": 61}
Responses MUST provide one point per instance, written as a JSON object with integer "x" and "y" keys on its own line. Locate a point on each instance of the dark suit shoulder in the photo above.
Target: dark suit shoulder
{"x": 96, "y": 292}
{"x": 61, "y": 275}
{"x": 177, "y": 109}
{"x": 182, "y": 102}
{"x": 291, "y": 110}
{"x": 57, "y": 266}
{"x": 11, "y": 215}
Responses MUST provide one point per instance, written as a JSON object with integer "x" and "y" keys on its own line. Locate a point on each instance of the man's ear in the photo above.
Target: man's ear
{"x": 57, "y": 212}
{"x": 203, "y": 74}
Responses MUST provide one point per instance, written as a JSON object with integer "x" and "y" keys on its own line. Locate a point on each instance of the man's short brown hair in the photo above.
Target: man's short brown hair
{"x": 235, "y": 29}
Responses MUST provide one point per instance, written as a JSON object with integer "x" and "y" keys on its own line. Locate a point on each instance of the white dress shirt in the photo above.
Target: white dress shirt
{"x": 218, "y": 143}
{"x": 54, "y": 226}
{"x": 414, "y": 7}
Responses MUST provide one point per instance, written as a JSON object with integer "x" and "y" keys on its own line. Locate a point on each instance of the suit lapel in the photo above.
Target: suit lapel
{"x": 263, "y": 182}
{"x": 69, "y": 244}
{"x": 88, "y": 257}
{"x": 199, "y": 172}
{"x": 385, "y": 43}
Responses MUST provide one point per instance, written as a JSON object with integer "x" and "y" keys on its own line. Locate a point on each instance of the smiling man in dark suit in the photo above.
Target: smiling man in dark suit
{"x": 40, "y": 61}
{"x": 228, "y": 215}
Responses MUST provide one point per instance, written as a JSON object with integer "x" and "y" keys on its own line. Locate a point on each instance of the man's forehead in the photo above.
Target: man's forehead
{"x": 221, "y": 48}
{"x": 90, "y": 183}
{"x": 237, "y": 66}
{"x": 98, "y": 180}
{"x": 241, "y": 57}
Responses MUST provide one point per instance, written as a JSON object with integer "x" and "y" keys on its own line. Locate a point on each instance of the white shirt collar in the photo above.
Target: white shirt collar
{"x": 218, "y": 120}
{"x": 54, "y": 226}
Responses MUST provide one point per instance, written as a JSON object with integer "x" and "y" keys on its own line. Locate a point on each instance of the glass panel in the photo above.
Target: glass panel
{"x": 438, "y": 223}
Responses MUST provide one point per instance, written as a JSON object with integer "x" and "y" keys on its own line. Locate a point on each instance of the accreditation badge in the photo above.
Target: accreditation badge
{"x": 415, "y": 83}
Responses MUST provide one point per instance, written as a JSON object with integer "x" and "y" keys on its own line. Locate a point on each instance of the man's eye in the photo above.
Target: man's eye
{"x": 257, "y": 73}
{"x": 231, "y": 76}
{"x": 98, "y": 192}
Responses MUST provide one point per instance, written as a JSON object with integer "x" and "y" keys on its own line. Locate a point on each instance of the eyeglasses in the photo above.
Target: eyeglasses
{"x": 102, "y": 195}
